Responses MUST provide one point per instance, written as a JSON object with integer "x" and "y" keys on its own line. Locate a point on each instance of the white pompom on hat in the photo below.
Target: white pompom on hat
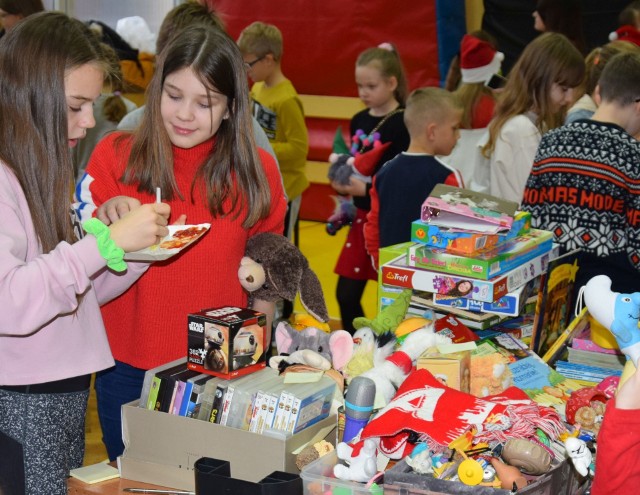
{"x": 478, "y": 60}
{"x": 626, "y": 33}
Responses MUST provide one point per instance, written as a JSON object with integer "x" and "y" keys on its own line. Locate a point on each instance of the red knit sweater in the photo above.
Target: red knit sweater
{"x": 618, "y": 454}
{"x": 147, "y": 325}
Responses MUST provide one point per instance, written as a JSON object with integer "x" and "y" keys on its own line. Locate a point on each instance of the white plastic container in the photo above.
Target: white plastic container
{"x": 318, "y": 479}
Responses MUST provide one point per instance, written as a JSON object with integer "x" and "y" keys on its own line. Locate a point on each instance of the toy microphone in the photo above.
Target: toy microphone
{"x": 358, "y": 405}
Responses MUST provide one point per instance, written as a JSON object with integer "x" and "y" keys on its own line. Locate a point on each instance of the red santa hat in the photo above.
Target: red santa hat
{"x": 478, "y": 60}
{"x": 365, "y": 163}
{"x": 626, "y": 33}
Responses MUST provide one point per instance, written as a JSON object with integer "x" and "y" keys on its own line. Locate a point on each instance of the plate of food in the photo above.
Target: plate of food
{"x": 180, "y": 236}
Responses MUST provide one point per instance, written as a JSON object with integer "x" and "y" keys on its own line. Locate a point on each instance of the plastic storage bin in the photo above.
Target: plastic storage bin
{"x": 318, "y": 479}
{"x": 560, "y": 480}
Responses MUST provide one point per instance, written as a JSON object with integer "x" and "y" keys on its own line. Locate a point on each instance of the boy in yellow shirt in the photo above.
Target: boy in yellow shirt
{"x": 278, "y": 109}
{"x": 279, "y": 112}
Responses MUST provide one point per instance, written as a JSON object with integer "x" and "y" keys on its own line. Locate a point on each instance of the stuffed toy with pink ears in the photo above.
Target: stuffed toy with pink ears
{"x": 313, "y": 347}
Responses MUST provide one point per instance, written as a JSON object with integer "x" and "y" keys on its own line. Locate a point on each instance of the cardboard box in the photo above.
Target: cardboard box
{"x": 452, "y": 369}
{"x": 466, "y": 242}
{"x": 510, "y": 304}
{"x": 162, "y": 448}
{"x": 227, "y": 342}
{"x": 486, "y": 263}
{"x": 396, "y": 273}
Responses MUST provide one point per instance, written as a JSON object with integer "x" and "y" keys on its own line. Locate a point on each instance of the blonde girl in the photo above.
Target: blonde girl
{"x": 477, "y": 99}
{"x": 382, "y": 86}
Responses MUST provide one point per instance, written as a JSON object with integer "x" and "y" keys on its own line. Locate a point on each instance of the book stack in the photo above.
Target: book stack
{"x": 256, "y": 402}
{"x": 472, "y": 255}
{"x": 422, "y": 302}
{"x": 587, "y": 361}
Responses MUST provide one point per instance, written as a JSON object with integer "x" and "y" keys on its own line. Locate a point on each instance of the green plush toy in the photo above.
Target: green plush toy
{"x": 389, "y": 318}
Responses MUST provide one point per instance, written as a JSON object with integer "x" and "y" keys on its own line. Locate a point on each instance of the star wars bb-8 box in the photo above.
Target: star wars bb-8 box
{"x": 227, "y": 342}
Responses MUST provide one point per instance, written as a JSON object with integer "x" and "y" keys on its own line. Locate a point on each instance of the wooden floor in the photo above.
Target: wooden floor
{"x": 322, "y": 251}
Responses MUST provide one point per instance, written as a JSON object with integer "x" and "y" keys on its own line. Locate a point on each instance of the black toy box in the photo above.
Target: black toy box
{"x": 227, "y": 342}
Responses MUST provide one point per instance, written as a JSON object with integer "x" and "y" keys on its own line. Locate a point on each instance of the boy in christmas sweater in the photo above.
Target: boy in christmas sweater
{"x": 585, "y": 182}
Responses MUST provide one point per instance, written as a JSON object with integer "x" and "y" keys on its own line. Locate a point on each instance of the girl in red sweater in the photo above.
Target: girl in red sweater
{"x": 618, "y": 455}
{"x": 195, "y": 143}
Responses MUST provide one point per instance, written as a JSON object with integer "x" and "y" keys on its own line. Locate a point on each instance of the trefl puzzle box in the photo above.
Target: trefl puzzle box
{"x": 486, "y": 263}
{"x": 227, "y": 341}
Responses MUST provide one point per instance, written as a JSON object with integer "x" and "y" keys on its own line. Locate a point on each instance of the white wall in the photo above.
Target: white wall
{"x": 152, "y": 11}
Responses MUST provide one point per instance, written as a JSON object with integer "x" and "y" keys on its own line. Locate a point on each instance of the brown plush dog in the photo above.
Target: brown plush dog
{"x": 273, "y": 268}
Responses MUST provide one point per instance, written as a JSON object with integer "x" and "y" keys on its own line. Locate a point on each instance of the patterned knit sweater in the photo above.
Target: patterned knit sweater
{"x": 147, "y": 325}
{"x": 585, "y": 188}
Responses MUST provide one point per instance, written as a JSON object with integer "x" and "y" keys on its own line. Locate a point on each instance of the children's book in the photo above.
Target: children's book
{"x": 148, "y": 386}
{"x": 165, "y": 386}
{"x": 580, "y": 356}
{"x": 593, "y": 374}
{"x": 530, "y": 373}
{"x": 468, "y": 211}
{"x": 520, "y": 327}
{"x": 197, "y": 391}
{"x": 179, "y": 389}
{"x": 558, "y": 350}
{"x": 555, "y": 302}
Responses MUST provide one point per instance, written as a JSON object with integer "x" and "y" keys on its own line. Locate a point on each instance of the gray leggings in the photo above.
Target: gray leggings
{"x": 50, "y": 428}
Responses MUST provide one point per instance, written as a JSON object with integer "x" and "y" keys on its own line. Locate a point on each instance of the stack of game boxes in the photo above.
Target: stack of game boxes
{"x": 471, "y": 255}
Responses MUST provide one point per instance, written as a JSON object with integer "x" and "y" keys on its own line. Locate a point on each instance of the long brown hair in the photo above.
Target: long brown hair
{"x": 549, "y": 58}
{"x": 216, "y": 60}
{"x": 114, "y": 108}
{"x": 35, "y": 56}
